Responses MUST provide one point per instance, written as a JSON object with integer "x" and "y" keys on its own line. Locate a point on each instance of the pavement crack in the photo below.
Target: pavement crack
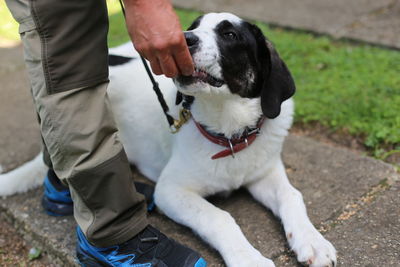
{"x": 353, "y": 208}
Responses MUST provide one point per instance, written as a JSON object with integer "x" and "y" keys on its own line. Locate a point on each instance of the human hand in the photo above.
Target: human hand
{"x": 157, "y": 35}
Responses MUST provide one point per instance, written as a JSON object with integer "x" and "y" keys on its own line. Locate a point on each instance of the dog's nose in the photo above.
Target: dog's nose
{"x": 191, "y": 40}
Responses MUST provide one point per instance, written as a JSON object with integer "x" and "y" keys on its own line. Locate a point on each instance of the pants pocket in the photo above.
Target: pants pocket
{"x": 73, "y": 37}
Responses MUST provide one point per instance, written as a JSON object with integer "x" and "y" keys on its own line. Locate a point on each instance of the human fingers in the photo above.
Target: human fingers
{"x": 155, "y": 66}
{"x": 168, "y": 65}
{"x": 183, "y": 59}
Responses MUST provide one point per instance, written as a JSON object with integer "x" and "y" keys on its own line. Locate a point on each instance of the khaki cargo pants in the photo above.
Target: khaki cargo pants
{"x": 65, "y": 46}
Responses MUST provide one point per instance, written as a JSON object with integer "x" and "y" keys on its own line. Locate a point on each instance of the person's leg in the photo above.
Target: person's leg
{"x": 66, "y": 55}
{"x": 56, "y": 199}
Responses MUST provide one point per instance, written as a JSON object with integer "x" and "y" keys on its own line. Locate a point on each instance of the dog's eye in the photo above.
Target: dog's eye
{"x": 230, "y": 35}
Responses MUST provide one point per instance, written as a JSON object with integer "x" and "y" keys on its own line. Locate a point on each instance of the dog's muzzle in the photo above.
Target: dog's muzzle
{"x": 192, "y": 41}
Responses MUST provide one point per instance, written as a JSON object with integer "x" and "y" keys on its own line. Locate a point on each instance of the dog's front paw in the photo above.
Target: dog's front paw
{"x": 312, "y": 249}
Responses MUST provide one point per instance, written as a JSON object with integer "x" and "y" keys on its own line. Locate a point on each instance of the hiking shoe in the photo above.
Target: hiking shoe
{"x": 56, "y": 199}
{"x": 150, "y": 248}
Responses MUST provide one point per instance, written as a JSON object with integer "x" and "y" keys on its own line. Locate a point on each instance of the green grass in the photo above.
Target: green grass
{"x": 346, "y": 87}
{"x": 8, "y": 27}
{"x": 355, "y": 88}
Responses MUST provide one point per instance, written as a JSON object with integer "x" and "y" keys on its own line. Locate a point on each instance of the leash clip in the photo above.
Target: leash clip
{"x": 184, "y": 116}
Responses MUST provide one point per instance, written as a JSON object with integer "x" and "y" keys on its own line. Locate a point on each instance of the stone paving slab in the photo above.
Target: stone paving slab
{"x": 19, "y": 128}
{"x": 380, "y": 26}
{"x": 372, "y": 21}
{"x": 316, "y": 169}
{"x": 372, "y": 237}
{"x": 329, "y": 177}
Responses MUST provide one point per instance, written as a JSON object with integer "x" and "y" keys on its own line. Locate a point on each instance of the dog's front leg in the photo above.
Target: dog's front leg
{"x": 214, "y": 225}
{"x": 286, "y": 202}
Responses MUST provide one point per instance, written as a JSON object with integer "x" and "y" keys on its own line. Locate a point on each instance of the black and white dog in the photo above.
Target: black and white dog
{"x": 239, "y": 98}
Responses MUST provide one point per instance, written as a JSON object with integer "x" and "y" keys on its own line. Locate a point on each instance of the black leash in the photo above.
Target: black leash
{"x": 171, "y": 121}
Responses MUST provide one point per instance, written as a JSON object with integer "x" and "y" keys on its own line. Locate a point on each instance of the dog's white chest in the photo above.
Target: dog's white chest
{"x": 193, "y": 166}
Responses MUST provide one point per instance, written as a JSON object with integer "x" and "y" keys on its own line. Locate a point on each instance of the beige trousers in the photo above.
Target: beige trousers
{"x": 65, "y": 48}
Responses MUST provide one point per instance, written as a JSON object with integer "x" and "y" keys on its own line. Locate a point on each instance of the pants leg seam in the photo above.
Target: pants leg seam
{"x": 43, "y": 41}
{"x": 98, "y": 79}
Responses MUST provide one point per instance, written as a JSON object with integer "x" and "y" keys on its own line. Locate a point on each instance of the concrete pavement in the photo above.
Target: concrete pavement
{"x": 354, "y": 200}
{"x": 376, "y": 22}
{"x": 351, "y": 198}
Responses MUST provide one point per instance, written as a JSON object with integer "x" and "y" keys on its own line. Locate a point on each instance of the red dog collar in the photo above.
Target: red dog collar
{"x": 234, "y": 144}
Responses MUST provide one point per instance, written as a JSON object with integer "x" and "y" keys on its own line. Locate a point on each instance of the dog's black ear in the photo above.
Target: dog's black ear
{"x": 179, "y": 98}
{"x": 277, "y": 83}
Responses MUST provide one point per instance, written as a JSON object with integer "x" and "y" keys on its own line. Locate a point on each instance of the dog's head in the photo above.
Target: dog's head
{"x": 233, "y": 56}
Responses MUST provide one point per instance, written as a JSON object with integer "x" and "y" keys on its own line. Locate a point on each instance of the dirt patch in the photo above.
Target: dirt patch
{"x": 14, "y": 250}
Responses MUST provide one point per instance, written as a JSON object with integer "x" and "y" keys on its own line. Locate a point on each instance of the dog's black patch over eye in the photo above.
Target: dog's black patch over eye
{"x": 251, "y": 67}
{"x": 227, "y": 30}
{"x": 230, "y": 35}
{"x": 235, "y": 44}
